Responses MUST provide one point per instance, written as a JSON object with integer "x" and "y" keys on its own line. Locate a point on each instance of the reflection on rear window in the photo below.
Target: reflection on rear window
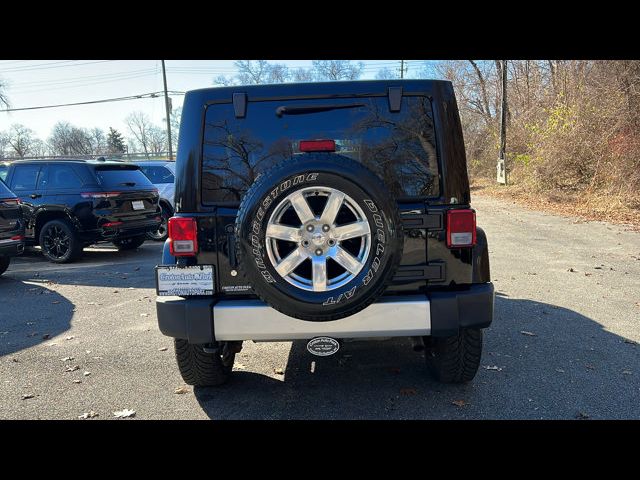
{"x": 4, "y": 191}
{"x": 399, "y": 147}
{"x": 121, "y": 178}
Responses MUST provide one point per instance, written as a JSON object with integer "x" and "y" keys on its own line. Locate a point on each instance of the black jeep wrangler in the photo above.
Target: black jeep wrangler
{"x": 323, "y": 212}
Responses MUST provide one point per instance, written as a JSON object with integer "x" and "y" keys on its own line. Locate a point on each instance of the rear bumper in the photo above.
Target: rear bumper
{"x": 11, "y": 248}
{"x": 125, "y": 230}
{"x": 203, "y": 320}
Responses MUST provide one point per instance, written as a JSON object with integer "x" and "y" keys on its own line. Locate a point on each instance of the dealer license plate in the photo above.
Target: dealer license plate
{"x": 184, "y": 281}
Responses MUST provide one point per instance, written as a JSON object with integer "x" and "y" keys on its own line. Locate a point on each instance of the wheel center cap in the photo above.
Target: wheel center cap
{"x": 317, "y": 239}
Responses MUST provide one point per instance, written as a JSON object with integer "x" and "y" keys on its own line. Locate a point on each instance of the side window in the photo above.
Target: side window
{"x": 25, "y": 177}
{"x": 62, "y": 176}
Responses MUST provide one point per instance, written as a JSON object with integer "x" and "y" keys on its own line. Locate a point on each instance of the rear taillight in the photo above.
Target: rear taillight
{"x": 11, "y": 201}
{"x": 461, "y": 228}
{"x": 100, "y": 194}
{"x": 183, "y": 236}
{"x": 17, "y": 237}
{"x": 317, "y": 146}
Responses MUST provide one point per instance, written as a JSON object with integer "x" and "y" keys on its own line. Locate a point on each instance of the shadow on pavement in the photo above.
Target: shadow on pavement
{"x": 42, "y": 314}
{"x": 100, "y": 266}
{"x": 565, "y": 365}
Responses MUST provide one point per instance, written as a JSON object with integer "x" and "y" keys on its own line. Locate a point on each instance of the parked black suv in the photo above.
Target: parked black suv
{"x": 11, "y": 227}
{"x": 70, "y": 204}
{"x": 323, "y": 212}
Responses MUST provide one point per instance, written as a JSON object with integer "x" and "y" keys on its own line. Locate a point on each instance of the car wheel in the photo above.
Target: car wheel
{"x": 59, "y": 241}
{"x": 161, "y": 234}
{"x": 200, "y": 366}
{"x": 454, "y": 359}
{"x": 319, "y": 237}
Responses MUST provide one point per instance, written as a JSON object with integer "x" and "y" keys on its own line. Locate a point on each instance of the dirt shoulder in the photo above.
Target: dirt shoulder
{"x": 586, "y": 208}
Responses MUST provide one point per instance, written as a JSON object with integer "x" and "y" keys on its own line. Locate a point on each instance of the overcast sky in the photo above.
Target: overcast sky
{"x": 47, "y": 82}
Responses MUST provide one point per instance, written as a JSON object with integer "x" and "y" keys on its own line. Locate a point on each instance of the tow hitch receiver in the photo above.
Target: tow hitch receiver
{"x": 323, "y": 346}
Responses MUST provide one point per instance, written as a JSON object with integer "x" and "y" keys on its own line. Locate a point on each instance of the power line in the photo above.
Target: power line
{"x": 41, "y": 66}
{"x": 106, "y": 100}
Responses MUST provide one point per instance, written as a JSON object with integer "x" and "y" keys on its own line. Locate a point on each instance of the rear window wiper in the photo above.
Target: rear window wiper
{"x": 304, "y": 109}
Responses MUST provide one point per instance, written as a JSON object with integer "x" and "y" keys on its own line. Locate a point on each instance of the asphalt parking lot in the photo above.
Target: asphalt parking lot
{"x": 83, "y": 338}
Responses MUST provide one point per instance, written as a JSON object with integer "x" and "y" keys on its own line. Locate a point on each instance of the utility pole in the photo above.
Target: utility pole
{"x": 168, "y": 109}
{"x": 402, "y": 69}
{"x": 501, "y": 168}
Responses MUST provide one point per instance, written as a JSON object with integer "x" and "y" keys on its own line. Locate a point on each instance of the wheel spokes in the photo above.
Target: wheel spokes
{"x": 283, "y": 232}
{"x": 291, "y": 262}
{"x": 319, "y": 274}
{"x": 351, "y": 230}
{"x": 300, "y": 205}
{"x": 346, "y": 260}
{"x": 331, "y": 209}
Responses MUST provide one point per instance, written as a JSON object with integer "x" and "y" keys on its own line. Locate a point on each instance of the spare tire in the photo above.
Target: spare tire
{"x": 319, "y": 237}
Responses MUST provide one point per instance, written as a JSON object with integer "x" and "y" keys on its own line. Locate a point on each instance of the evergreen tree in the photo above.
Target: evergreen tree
{"x": 115, "y": 142}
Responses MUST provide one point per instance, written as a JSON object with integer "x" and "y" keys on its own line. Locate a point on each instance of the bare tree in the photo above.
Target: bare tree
{"x": 139, "y": 125}
{"x": 67, "y": 139}
{"x": 4, "y": 144}
{"x": 97, "y": 141}
{"x": 302, "y": 75}
{"x": 386, "y": 74}
{"x": 337, "y": 70}
{"x": 157, "y": 140}
{"x": 39, "y": 148}
{"x": 21, "y": 139}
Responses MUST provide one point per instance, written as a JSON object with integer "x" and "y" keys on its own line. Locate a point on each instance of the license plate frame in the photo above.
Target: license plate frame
{"x": 194, "y": 281}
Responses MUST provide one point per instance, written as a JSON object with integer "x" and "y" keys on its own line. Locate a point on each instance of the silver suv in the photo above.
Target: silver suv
{"x": 162, "y": 175}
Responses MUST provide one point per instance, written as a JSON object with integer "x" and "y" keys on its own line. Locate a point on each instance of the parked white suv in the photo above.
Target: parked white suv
{"x": 162, "y": 175}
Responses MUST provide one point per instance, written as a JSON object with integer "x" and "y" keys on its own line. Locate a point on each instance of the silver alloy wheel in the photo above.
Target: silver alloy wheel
{"x": 317, "y": 239}
{"x": 161, "y": 232}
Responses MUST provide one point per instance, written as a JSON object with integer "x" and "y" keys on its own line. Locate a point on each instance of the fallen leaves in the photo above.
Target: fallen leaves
{"x": 530, "y": 334}
{"x": 90, "y": 414}
{"x": 162, "y": 349}
{"x": 582, "y": 416}
{"x": 492, "y": 367}
{"x": 278, "y": 371}
{"x": 181, "y": 390}
{"x": 571, "y": 270}
{"x": 72, "y": 369}
{"x": 559, "y": 370}
{"x": 86, "y": 374}
{"x": 627, "y": 372}
{"x": 77, "y": 381}
{"x": 144, "y": 314}
{"x": 239, "y": 366}
{"x": 459, "y": 403}
{"x": 70, "y": 337}
{"x": 124, "y": 413}
{"x": 46, "y": 336}
{"x": 26, "y": 396}
{"x": 68, "y": 359}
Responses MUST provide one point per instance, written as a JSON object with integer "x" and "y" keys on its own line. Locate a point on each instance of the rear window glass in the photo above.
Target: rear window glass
{"x": 121, "y": 177}
{"x": 157, "y": 174}
{"x": 399, "y": 146}
{"x": 4, "y": 169}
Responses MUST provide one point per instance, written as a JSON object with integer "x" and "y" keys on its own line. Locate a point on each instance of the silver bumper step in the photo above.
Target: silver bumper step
{"x": 254, "y": 320}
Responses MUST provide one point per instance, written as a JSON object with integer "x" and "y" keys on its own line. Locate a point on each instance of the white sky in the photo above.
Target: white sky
{"x": 47, "y": 82}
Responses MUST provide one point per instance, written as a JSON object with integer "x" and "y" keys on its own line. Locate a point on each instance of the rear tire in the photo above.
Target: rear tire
{"x": 130, "y": 243}
{"x": 59, "y": 241}
{"x": 455, "y": 359}
{"x": 4, "y": 264}
{"x": 200, "y": 368}
{"x": 161, "y": 234}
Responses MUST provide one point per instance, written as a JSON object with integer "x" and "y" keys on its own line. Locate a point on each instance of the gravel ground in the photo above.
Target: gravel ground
{"x": 563, "y": 344}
